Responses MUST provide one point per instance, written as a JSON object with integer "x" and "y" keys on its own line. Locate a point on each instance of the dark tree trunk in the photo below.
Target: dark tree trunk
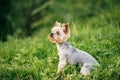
{"x": 5, "y": 24}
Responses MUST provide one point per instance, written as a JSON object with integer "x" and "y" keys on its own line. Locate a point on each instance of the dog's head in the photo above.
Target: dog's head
{"x": 59, "y": 33}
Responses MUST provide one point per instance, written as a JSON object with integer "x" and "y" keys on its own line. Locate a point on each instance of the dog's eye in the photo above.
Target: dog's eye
{"x": 58, "y": 33}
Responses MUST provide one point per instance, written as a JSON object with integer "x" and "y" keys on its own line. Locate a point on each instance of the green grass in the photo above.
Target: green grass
{"x": 35, "y": 58}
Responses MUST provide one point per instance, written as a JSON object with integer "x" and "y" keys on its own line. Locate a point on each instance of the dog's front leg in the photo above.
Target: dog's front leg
{"x": 61, "y": 65}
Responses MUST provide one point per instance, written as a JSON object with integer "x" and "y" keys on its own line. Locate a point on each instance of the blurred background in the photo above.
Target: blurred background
{"x": 25, "y": 17}
{"x": 27, "y": 54}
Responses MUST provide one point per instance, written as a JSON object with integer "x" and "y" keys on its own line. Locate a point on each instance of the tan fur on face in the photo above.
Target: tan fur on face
{"x": 51, "y": 39}
{"x": 61, "y": 33}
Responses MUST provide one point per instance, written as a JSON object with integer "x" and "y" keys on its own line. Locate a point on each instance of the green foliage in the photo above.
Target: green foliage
{"x": 35, "y": 58}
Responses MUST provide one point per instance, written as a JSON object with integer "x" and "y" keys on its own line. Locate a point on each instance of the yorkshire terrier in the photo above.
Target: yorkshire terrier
{"x": 67, "y": 53}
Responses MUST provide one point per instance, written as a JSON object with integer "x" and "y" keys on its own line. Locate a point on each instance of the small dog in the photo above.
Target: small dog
{"x": 68, "y": 54}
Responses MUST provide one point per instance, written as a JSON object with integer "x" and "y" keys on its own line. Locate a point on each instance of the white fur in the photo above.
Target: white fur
{"x": 69, "y": 55}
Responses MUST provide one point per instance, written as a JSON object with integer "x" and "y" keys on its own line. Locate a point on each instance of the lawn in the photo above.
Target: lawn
{"x": 35, "y": 57}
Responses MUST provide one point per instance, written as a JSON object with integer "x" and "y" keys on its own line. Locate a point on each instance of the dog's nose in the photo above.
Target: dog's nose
{"x": 51, "y": 34}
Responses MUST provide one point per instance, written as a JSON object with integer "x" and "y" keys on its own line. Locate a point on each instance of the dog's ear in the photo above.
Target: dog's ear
{"x": 57, "y": 24}
{"x": 66, "y": 29}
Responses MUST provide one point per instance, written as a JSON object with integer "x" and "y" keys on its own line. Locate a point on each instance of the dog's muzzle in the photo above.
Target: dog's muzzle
{"x": 51, "y": 34}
